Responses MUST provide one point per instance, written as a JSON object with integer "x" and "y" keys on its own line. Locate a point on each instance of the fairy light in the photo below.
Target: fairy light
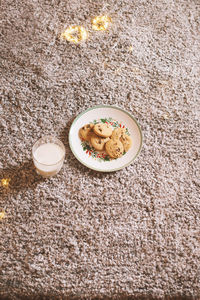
{"x": 130, "y": 49}
{"x": 75, "y": 34}
{"x": 5, "y": 182}
{"x": 101, "y": 23}
{"x": 2, "y": 214}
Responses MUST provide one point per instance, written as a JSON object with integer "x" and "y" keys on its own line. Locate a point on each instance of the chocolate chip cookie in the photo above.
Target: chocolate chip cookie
{"x": 86, "y": 131}
{"x": 114, "y": 148}
{"x": 103, "y": 130}
{"x": 126, "y": 141}
{"x": 98, "y": 142}
{"x": 117, "y": 133}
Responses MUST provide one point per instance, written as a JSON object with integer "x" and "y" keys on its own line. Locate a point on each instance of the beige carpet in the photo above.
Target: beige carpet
{"x": 85, "y": 234}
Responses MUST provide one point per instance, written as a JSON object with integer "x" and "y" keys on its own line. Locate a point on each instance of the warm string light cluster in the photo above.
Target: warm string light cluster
{"x": 101, "y": 23}
{"x": 2, "y": 215}
{"x": 5, "y": 182}
{"x": 76, "y": 34}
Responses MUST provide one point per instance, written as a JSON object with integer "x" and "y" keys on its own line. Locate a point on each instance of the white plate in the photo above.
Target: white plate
{"x": 116, "y": 117}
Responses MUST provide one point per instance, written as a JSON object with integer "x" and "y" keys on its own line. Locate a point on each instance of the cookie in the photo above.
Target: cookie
{"x": 86, "y": 131}
{"x": 117, "y": 133}
{"x": 126, "y": 141}
{"x": 114, "y": 148}
{"x": 98, "y": 142}
{"x": 103, "y": 130}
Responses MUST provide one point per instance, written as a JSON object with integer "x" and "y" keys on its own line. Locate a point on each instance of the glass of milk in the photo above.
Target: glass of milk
{"x": 48, "y": 156}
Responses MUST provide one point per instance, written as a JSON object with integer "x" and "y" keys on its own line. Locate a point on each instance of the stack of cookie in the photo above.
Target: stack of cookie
{"x": 102, "y": 136}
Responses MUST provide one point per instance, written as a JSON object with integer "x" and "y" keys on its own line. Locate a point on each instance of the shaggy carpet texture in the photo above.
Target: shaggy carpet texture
{"x": 83, "y": 234}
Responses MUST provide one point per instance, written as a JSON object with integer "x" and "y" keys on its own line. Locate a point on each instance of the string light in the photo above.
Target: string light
{"x": 5, "y": 182}
{"x": 2, "y": 215}
{"x": 75, "y": 34}
{"x": 101, "y": 23}
{"x": 130, "y": 49}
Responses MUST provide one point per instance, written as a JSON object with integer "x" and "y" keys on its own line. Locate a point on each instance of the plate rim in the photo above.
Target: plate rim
{"x": 104, "y": 106}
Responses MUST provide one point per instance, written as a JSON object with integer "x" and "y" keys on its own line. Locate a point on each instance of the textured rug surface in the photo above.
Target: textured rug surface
{"x": 80, "y": 234}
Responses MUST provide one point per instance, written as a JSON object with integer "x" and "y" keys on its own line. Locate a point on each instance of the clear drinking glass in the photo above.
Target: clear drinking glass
{"x": 48, "y": 155}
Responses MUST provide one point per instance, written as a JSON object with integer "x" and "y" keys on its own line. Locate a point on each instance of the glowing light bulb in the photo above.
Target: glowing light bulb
{"x": 5, "y": 182}
{"x": 101, "y": 23}
{"x": 2, "y": 215}
{"x": 130, "y": 49}
{"x": 75, "y": 34}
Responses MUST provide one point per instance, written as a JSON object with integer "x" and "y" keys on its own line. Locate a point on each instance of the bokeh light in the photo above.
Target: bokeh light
{"x": 2, "y": 214}
{"x": 101, "y": 23}
{"x": 5, "y": 182}
{"x": 75, "y": 34}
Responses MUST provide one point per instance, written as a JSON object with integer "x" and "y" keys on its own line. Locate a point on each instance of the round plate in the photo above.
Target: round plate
{"x": 116, "y": 117}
